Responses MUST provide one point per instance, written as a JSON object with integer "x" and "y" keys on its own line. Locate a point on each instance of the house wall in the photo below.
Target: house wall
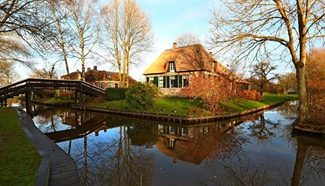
{"x": 170, "y": 83}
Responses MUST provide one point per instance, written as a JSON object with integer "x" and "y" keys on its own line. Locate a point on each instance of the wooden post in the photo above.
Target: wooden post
{"x": 75, "y": 97}
{"x": 28, "y": 102}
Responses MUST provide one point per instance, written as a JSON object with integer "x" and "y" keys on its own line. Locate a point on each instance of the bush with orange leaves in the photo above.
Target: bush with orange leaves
{"x": 66, "y": 94}
{"x": 250, "y": 95}
{"x": 316, "y": 84}
{"x": 211, "y": 90}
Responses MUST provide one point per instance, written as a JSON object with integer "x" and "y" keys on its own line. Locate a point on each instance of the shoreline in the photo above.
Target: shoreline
{"x": 180, "y": 119}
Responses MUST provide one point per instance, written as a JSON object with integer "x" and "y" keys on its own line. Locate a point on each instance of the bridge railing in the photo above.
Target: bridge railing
{"x": 35, "y": 83}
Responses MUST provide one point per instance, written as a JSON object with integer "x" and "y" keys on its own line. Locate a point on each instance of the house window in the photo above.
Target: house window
{"x": 108, "y": 76}
{"x": 185, "y": 81}
{"x": 161, "y": 82}
{"x": 172, "y": 130}
{"x": 151, "y": 80}
{"x": 116, "y": 85}
{"x": 100, "y": 85}
{"x": 171, "y": 66}
{"x": 185, "y": 132}
{"x": 172, "y": 81}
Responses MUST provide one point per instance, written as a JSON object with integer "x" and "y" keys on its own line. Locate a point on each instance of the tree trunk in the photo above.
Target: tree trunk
{"x": 299, "y": 163}
{"x": 303, "y": 111}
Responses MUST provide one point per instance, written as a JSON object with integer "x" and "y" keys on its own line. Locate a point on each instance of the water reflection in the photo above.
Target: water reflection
{"x": 260, "y": 150}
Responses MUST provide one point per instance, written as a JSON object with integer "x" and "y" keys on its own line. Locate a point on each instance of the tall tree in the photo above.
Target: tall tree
{"x": 288, "y": 82}
{"x": 21, "y": 20}
{"x": 261, "y": 74}
{"x": 62, "y": 42}
{"x": 187, "y": 38}
{"x": 7, "y": 73}
{"x": 128, "y": 33}
{"x": 283, "y": 27}
{"x": 85, "y": 26}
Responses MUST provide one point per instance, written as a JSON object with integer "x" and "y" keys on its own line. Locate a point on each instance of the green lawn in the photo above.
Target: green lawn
{"x": 19, "y": 160}
{"x": 56, "y": 100}
{"x": 186, "y": 107}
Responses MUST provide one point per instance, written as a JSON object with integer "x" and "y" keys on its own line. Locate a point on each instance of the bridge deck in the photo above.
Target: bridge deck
{"x": 63, "y": 169}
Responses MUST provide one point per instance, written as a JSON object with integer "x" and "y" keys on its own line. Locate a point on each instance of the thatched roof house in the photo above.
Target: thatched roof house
{"x": 171, "y": 70}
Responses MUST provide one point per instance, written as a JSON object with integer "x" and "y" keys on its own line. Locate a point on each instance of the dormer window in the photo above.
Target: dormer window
{"x": 108, "y": 76}
{"x": 172, "y": 66}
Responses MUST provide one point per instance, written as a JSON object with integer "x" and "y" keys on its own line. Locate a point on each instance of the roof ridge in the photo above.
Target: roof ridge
{"x": 199, "y": 44}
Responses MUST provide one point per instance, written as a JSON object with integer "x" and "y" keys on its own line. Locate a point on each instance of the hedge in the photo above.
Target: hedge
{"x": 115, "y": 93}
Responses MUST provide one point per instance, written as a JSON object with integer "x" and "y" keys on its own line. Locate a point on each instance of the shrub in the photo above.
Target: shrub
{"x": 250, "y": 95}
{"x": 112, "y": 94}
{"x": 45, "y": 93}
{"x": 141, "y": 96}
{"x": 65, "y": 94}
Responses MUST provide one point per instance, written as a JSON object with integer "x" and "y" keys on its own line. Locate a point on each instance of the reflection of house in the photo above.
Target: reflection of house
{"x": 102, "y": 79}
{"x": 183, "y": 143}
{"x": 172, "y": 69}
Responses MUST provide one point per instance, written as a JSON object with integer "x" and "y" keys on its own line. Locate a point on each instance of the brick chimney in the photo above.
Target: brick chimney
{"x": 174, "y": 45}
{"x": 88, "y": 69}
{"x": 95, "y": 68}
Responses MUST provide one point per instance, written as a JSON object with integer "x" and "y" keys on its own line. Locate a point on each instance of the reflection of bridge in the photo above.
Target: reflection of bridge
{"x": 82, "y": 128}
{"x": 28, "y": 85}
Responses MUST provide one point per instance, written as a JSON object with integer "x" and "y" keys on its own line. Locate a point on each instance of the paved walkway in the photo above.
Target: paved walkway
{"x": 57, "y": 168}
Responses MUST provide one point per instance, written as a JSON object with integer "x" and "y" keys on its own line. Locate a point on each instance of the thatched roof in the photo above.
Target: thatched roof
{"x": 186, "y": 59}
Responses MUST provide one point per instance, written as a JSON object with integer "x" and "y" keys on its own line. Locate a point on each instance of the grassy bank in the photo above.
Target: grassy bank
{"x": 185, "y": 107}
{"x": 19, "y": 160}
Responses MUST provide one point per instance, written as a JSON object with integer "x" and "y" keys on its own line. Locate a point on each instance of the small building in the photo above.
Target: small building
{"x": 100, "y": 78}
{"x": 171, "y": 71}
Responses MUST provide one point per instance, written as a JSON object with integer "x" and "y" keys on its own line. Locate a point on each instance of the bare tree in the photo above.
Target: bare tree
{"x": 187, "y": 38}
{"x": 281, "y": 27}
{"x": 288, "y": 82}
{"x": 128, "y": 33}
{"x": 85, "y": 26}
{"x": 62, "y": 41}
{"x": 262, "y": 73}
{"x": 7, "y": 73}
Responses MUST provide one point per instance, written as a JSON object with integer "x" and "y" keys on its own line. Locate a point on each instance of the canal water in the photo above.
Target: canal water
{"x": 257, "y": 150}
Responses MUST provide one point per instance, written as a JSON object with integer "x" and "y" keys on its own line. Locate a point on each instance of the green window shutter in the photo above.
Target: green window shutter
{"x": 168, "y": 82}
{"x": 147, "y": 79}
{"x": 165, "y": 81}
{"x": 176, "y": 81}
{"x": 180, "y": 81}
{"x": 155, "y": 80}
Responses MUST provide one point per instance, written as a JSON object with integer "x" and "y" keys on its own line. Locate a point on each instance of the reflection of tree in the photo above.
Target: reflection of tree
{"x": 114, "y": 161}
{"x": 288, "y": 109}
{"x": 310, "y": 160}
{"x": 143, "y": 134}
{"x": 239, "y": 171}
{"x": 263, "y": 129}
{"x": 47, "y": 119}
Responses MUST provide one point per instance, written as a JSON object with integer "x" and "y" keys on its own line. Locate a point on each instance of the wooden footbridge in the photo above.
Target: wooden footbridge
{"x": 29, "y": 85}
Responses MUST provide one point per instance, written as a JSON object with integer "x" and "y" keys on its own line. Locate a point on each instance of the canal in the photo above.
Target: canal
{"x": 257, "y": 150}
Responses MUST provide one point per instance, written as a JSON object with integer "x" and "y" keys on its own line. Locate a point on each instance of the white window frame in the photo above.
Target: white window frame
{"x": 172, "y": 66}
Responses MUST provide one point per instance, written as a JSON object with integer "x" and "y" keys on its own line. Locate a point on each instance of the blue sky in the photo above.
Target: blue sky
{"x": 171, "y": 18}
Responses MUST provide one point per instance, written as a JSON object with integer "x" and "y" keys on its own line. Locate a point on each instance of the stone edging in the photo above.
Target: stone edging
{"x": 174, "y": 118}
{"x": 43, "y": 174}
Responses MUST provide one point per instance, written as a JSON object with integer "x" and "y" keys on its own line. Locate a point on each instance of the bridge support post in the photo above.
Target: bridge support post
{"x": 75, "y": 97}
{"x": 28, "y": 102}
